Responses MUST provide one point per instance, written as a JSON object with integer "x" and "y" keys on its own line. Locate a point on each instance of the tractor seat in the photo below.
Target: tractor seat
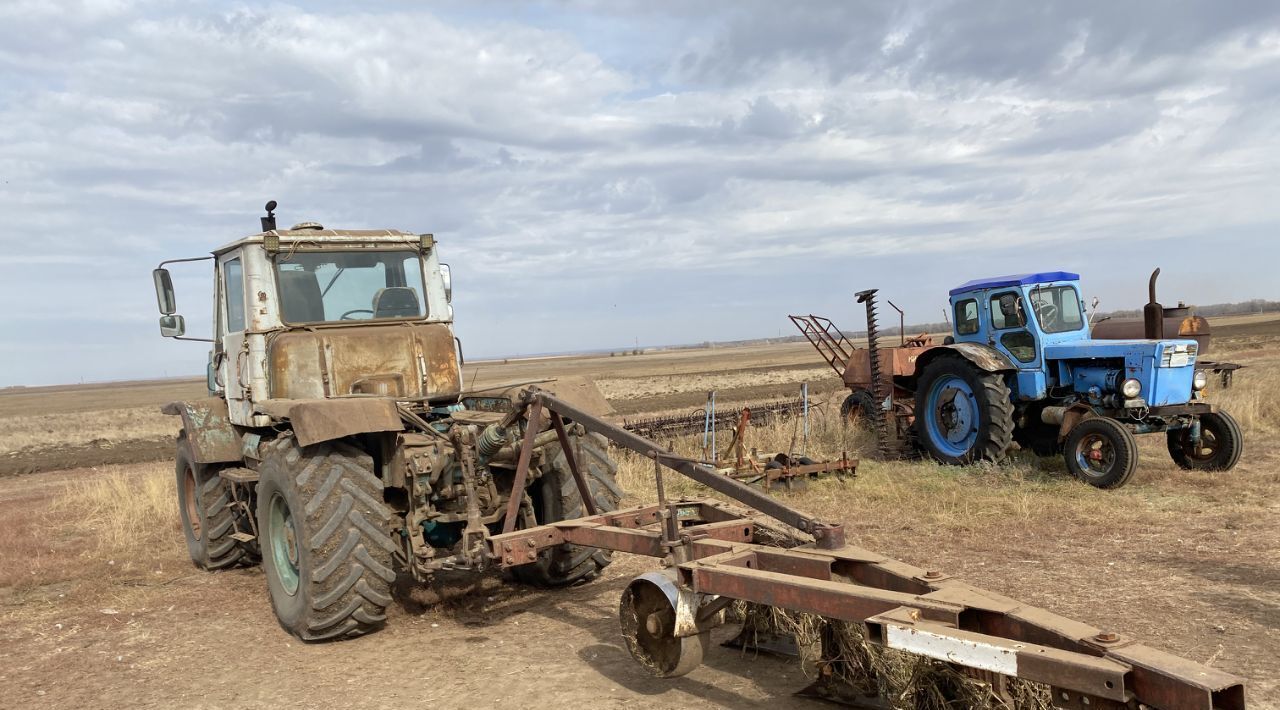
{"x": 396, "y": 302}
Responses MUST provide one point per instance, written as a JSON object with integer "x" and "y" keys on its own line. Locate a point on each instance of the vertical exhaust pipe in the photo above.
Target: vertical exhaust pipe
{"x": 1153, "y": 312}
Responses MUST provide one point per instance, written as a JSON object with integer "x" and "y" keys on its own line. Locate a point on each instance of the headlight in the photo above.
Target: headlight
{"x": 1131, "y": 388}
{"x": 1201, "y": 380}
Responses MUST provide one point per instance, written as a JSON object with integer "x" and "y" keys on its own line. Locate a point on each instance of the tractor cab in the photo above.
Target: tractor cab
{"x": 1020, "y": 315}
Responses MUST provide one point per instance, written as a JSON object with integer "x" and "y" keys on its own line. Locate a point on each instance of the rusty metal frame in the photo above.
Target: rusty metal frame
{"x": 899, "y": 606}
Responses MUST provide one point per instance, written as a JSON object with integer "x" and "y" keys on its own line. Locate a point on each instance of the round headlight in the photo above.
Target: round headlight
{"x": 1131, "y": 388}
{"x": 1201, "y": 380}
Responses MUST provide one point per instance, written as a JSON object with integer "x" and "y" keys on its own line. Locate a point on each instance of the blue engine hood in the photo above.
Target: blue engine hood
{"x": 1088, "y": 349}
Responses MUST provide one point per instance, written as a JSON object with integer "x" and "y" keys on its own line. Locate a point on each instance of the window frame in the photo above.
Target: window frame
{"x": 977, "y": 316}
{"x": 227, "y": 321}
{"x": 422, "y": 276}
{"x": 1075, "y": 293}
{"x": 994, "y": 304}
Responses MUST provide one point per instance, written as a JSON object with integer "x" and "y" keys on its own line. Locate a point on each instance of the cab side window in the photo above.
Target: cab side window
{"x": 1002, "y": 317}
{"x": 967, "y": 317}
{"x": 233, "y": 287}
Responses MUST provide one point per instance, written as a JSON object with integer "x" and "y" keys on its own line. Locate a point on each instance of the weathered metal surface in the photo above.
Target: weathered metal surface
{"x": 325, "y": 420}
{"x": 581, "y": 392}
{"x": 400, "y": 360}
{"x": 920, "y": 611}
{"x": 209, "y": 430}
{"x": 705, "y": 475}
{"x": 522, "y": 468}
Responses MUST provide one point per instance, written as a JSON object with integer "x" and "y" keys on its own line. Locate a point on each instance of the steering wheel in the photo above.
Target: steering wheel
{"x": 355, "y": 310}
{"x": 1048, "y": 314}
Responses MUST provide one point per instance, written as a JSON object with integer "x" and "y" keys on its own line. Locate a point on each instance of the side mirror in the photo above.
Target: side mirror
{"x": 172, "y": 326}
{"x": 446, "y": 276}
{"x": 164, "y": 291}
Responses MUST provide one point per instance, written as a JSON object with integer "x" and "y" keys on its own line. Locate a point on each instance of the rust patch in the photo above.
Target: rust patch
{"x": 212, "y": 437}
{"x": 396, "y": 360}
{"x": 325, "y": 420}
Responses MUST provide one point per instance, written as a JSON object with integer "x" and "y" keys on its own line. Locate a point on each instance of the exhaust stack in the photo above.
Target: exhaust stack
{"x": 1153, "y": 313}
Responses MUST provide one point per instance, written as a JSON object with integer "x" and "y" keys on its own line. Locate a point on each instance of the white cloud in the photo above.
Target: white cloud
{"x": 615, "y": 146}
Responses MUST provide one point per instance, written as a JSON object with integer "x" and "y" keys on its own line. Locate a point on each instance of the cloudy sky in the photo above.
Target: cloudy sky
{"x": 602, "y": 173}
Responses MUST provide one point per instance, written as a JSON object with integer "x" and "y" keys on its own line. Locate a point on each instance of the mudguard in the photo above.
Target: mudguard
{"x": 984, "y": 357}
{"x": 210, "y": 433}
{"x": 314, "y": 421}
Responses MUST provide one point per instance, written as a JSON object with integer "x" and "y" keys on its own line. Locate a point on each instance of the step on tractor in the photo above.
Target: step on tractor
{"x": 339, "y": 449}
{"x": 1020, "y": 366}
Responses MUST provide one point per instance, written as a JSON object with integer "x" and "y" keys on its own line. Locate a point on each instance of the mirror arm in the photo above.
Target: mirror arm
{"x": 194, "y": 340}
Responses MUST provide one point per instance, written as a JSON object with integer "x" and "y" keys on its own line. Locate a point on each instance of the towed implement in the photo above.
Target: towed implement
{"x": 339, "y": 448}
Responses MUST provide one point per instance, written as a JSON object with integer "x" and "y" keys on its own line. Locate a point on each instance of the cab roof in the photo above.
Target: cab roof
{"x": 332, "y": 236}
{"x": 1042, "y": 277}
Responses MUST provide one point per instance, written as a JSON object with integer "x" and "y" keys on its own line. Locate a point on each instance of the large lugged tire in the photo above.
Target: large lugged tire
{"x": 859, "y": 407}
{"x": 1101, "y": 452}
{"x": 1221, "y": 443}
{"x": 325, "y": 538}
{"x": 963, "y": 414}
{"x": 555, "y": 497}
{"x": 204, "y": 504}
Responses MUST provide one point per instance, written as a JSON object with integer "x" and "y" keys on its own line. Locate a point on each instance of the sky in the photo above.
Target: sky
{"x": 601, "y": 174}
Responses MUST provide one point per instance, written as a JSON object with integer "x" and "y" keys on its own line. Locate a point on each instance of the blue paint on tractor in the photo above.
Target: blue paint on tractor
{"x": 1015, "y": 280}
{"x": 1037, "y": 321}
{"x": 952, "y": 415}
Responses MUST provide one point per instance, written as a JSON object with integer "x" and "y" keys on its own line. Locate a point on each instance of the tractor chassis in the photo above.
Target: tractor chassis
{"x": 708, "y": 546}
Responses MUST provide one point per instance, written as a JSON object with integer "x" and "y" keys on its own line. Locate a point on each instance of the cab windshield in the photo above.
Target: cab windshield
{"x": 1057, "y": 308}
{"x": 330, "y": 286}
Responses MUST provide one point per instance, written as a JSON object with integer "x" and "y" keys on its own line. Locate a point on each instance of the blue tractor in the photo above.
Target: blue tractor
{"x": 1021, "y": 367}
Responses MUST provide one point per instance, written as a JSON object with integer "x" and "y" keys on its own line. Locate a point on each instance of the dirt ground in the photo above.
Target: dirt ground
{"x": 1188, "y": 563}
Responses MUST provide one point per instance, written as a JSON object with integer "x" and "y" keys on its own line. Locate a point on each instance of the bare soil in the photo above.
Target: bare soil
{"x": 1189, "y": 563}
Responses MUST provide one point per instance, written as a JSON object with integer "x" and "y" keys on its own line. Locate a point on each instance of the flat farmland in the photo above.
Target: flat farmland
{"x": 101, "y": 607}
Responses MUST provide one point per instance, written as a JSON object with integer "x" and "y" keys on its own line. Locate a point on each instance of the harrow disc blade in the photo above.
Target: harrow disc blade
{"x": 647, "y": 613}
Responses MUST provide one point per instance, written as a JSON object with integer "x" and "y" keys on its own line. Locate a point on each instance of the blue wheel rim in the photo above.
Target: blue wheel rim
{"x": 952, "y": 416}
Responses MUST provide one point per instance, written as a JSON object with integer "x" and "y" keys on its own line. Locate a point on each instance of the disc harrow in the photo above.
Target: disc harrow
{"x": 712, "y": 556}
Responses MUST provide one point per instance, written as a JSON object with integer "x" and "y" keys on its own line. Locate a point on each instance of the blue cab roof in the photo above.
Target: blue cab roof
{"x": 1015, "y": 280}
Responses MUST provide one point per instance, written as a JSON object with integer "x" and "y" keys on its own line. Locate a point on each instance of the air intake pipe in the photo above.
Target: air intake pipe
{"x": 1153, "y": 312}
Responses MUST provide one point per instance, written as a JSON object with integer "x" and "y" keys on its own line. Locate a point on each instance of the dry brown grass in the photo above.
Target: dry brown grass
{"x": 128, "y": 515}
{"x": 637, "y": 387}
{"x": 108, "y": 426}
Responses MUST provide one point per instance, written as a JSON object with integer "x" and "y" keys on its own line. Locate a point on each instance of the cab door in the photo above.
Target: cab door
{"x": 231, "y": 353}
{"x": 1010, "y": 332}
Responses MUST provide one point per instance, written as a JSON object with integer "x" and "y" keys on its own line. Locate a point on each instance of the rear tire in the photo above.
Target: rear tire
{"x": 555, "y": 497}
{"x": 1224, "y": 440}
{"x": 963, "y": 414}
{"x": 204, "y": 505}
{"x": 326, "y": 541}
{"x": 1101, "y": 452}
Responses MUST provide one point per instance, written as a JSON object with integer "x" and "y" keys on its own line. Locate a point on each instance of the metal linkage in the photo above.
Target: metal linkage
{"x": 899, "y": 606}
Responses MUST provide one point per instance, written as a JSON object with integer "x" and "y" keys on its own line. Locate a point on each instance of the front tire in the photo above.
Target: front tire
{"x": 555, "y": 497}
{"x": 204, "y": 505}
{"x": 963, "y": 414}
{"x": 326, "y": 542}
{"x": 1101, "y": 452}
{"x": 1221, "y": 443}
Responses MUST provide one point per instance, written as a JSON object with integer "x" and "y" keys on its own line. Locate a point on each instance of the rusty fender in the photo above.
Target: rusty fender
{"x": 209, "y": 431}
{"x": 328, "y": 419}
{"x": 984, "y": 357}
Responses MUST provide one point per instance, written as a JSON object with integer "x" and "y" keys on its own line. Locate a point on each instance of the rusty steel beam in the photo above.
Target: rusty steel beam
{"x": 522, "y": 467}
{"x": 922, "y": 611}
{"x": 829, "y": 535}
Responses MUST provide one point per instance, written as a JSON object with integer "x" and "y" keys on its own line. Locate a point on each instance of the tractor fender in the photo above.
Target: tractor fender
{"x": 209, "y": 430}
{"x": 314, "y": 421}
{"x": 984, "y": 357}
